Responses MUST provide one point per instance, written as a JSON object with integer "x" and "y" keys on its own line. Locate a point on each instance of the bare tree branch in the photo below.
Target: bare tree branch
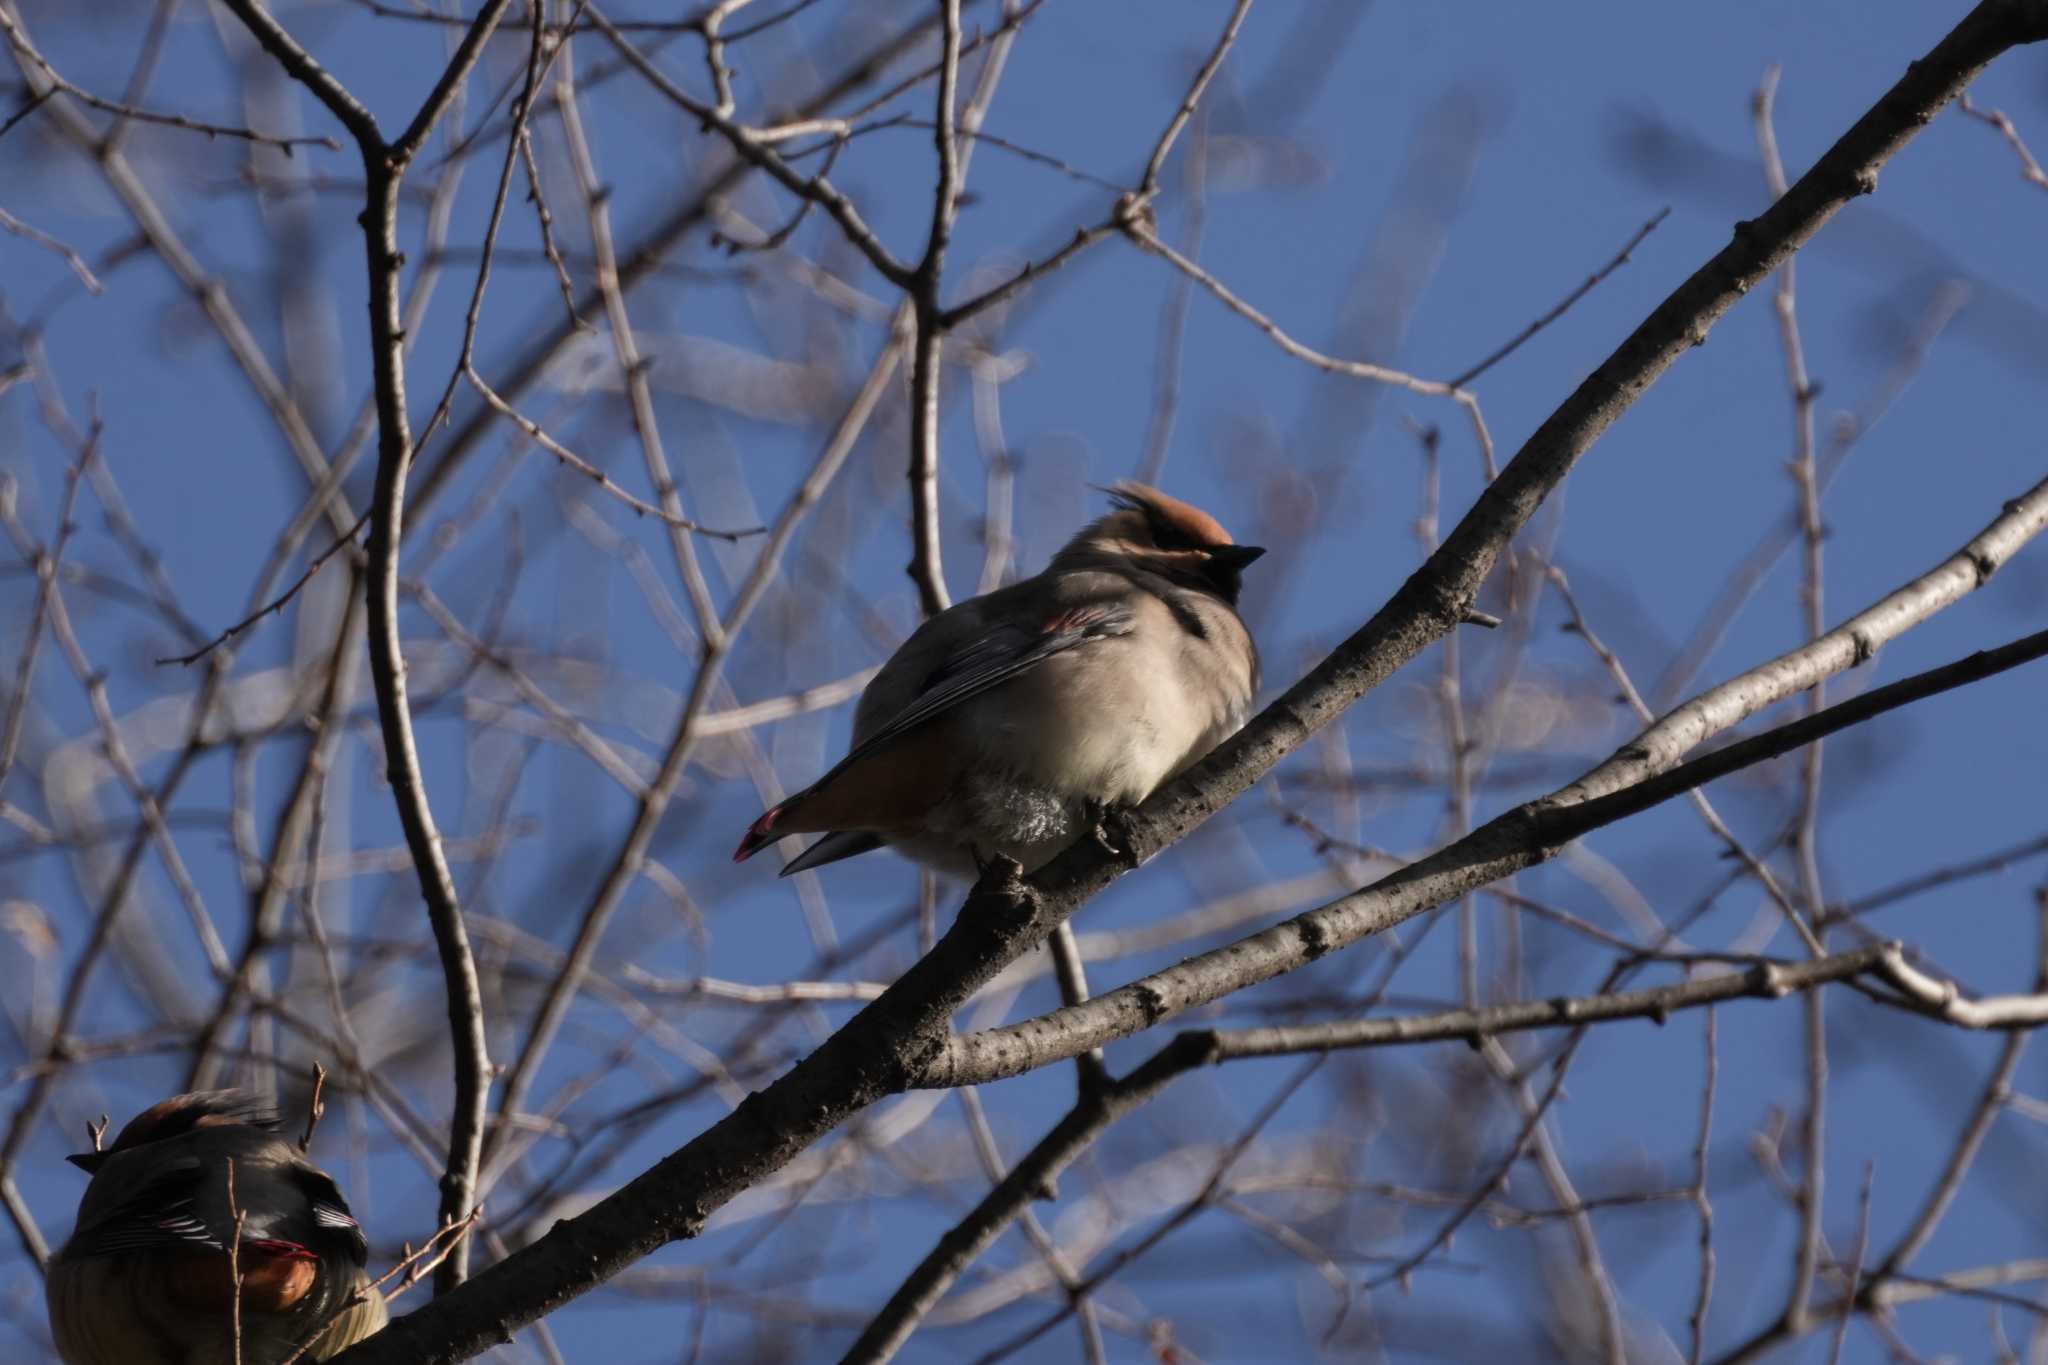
{"x": 384, "y": 167}
{"x": 26, "y": 51}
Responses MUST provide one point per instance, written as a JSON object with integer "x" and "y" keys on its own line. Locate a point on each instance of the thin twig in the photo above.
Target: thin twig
{"x": 1148, "y": 183}
{"x": 273, "y": 884}
{"x": 1704, "y": 638}
{"x": 1173, "y": 318}
{"x": 648, "y": 256}
{"x": 1923, "y": 882}
{"x": 1072, "y": 975}
{"x": 240, "y": 1217}
{"x": 1771, "y": 980}
{"x": 626, "y": 346}
{"x": 1709, "y": 815}
{"x": 546, "y": 219}
{"x": 2030, "y": 169}
{"x": 1704, "y": 1294}
{"x": 1141, "y": 233}
{"x": 411, "y": 1268}
{"x": 207, "y": 291}
{"x": 756, "y": 151}
{"x": 1210, "y": 1191}
{"x": 1514, "y": 343}
{"x": 272, "y": 607}
{"x": 1853, "y": 1286}
{"x": 626, "y": 866}
{"x": 1784, "y": 301}
{"x": 590, "y": 471}
{"x": 45, "y": 240}
{"x": 316, "y": 1107}
{"x": 1133, "y": 207}
{"x": 26, "y": 51}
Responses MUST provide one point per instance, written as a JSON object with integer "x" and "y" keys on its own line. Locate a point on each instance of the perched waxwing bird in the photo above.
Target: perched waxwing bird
{"x": 146, "y": 1277}
{"x": 1012, "y": 722}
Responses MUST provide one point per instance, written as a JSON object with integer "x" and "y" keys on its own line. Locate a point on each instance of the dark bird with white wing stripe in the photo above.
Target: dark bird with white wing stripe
{"x": 146, "y": 1277}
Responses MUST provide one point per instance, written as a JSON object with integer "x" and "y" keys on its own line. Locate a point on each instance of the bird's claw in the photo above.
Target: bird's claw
{"x": 1110, "y": 826}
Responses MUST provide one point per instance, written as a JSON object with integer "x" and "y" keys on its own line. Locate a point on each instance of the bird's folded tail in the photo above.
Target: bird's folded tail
{"x": 884, "y": 786}
{"x": 775, "y": 824}
{"x": 846, "y": 843}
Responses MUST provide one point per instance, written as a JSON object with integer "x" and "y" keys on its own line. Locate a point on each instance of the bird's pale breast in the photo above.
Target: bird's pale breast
{"x": 1112, "y": 721}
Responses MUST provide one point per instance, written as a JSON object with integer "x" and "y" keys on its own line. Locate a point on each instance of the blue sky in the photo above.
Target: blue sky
{"x": 1406, "y": 184}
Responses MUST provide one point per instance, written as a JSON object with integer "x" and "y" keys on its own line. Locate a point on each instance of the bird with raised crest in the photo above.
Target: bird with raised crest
{"x": 1012, "y": 723}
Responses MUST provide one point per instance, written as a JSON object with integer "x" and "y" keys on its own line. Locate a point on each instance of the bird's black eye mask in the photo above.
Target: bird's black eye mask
{"x": 1167, "y": 536}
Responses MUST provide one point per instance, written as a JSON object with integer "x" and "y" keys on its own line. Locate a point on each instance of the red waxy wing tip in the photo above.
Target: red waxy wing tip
{"x": 758, "y": 836}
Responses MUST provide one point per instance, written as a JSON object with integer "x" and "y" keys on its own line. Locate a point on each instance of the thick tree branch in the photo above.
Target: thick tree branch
{"x": 302, "y": 67}
{"x": 1520, "y": 838}
{"x": 1885, "y": 963}
{"x": 1853, "y": 642}
{"x": 963, "y": 1244}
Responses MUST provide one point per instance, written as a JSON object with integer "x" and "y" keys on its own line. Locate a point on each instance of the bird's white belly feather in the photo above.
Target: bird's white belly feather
{"x": 1101, "y": 725}
{"x": 1138, "y": 729}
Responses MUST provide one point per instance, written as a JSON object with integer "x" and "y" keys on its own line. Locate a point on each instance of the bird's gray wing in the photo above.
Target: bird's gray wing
{"x": 994, "y": 657}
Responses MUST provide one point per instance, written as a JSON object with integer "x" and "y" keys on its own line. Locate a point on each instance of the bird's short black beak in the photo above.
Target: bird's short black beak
{"x": 88, "y": 1162}
{"x": 1236, "y": 556}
